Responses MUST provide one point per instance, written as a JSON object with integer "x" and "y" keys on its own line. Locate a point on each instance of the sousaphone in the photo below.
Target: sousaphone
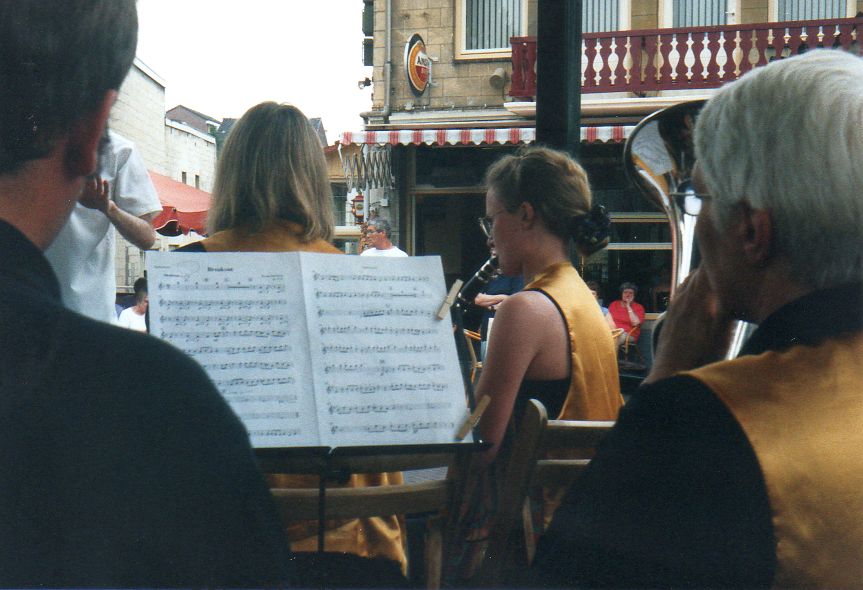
{"x": 658, "y": 157}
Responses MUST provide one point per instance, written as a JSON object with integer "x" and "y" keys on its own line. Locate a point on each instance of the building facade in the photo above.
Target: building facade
{"x": 479, "y": 69}
{"x": 169, "y": 148}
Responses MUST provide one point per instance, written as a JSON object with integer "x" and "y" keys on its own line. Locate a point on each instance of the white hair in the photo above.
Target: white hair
{"x": 788, "y": 137}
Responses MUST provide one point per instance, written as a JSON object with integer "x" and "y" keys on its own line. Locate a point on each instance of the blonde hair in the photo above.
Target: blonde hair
{"x": 557, "y": 188}
{"x": 272, "y": 167}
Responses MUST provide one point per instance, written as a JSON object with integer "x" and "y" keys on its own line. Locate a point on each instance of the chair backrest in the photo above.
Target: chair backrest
{"x": 419, "y": 495}
{"x": 547, "y": 453}
{"x": 475, "y": 364}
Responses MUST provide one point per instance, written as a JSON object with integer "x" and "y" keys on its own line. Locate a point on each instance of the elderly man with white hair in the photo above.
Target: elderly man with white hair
{"x": 747, "y": 472}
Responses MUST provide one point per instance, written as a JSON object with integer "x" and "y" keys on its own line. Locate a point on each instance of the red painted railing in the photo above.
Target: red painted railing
{"x": 692, "y": 57}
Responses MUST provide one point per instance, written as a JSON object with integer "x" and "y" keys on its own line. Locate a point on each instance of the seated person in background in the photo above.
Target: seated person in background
{"x": 121, "y": 464}
{"x": 272, "y": 194}
{"x": 378, "y": 232}
{"x": 550, "y": 340}
{"x": 627, "y": 313}
{"x": 135, "y": 317}
{"x": 594, "y": 290}
{"x": 746, "y": 472}
{"x": 496, "y": 292}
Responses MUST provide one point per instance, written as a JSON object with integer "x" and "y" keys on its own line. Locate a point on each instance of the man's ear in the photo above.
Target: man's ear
{"x": 82, "y": 147}
{"x": 756, "y": 233}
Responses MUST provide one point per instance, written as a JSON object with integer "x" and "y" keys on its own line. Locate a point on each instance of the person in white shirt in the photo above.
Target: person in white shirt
{"x": 378, "y": 235}
{"x": 82, "y": 256}
{"x": 135, "y": 317}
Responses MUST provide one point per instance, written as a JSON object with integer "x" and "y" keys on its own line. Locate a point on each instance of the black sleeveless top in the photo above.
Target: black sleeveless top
{"x": 552, "y": 394}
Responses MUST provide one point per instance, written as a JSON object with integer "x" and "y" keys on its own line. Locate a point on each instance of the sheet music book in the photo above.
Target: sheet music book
{"x": 314, "y": 349}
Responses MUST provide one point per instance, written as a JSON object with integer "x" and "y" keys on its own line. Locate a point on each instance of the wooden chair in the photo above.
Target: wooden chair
{"x": 433, "y": 496}
{"x": 476, "y": 365}
{"x": 511, "y": 541}
{"x": 630, "y": 344}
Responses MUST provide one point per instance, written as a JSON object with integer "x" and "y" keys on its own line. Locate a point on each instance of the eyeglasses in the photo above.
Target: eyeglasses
{"x": 689, "y": 201}
{"x": 487, "y": 223}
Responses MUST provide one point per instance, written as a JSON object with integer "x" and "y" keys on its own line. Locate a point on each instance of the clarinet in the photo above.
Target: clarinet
{"x": 480, "y": 279}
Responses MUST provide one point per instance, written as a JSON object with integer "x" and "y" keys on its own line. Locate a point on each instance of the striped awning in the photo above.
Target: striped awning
{"x": 512, "y": 135}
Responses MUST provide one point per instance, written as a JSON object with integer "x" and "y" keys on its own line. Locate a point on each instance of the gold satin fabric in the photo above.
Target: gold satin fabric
{"x": 801, "y": 410}
{"x": 367, "y": 537}
{"x": 594, "y": 387}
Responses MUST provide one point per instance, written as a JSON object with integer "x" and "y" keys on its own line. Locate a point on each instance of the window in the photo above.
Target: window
{"x": 639, "y": 252}
{"x": 483, "y": 27}
{"x": 197, "y": 181}
{"x": 810, "y": 9}
{"x": 184, "y": 177}
{"x": 598, "y": 16}
{"x": 700, "y": 13}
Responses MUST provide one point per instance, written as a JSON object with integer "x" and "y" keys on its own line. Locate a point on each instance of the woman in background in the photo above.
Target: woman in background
{"x": 272, "y": 194}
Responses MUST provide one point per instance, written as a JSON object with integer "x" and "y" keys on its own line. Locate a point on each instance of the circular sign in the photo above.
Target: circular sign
{"x": 417, "y": 64}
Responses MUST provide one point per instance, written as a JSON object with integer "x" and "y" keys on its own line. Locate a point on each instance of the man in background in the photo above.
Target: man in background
{"x": 378, "y": 233}
{"x": 120, "y": 197}
{"x": 135, "y": 317}
{"x": 111, "y": 474}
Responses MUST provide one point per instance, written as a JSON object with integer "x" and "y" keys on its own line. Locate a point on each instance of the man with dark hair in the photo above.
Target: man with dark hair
{"x": 378, "y": 232}
{"x": 112, "y": 476}
{"x": 135, "y": 317}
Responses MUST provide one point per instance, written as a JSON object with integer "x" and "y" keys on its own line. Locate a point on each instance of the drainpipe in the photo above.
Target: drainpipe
{"x": 388, "y": 68}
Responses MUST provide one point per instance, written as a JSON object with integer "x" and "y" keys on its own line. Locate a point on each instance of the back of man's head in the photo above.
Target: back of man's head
{"x": 57, "y": 61}
{"x": 140, "y": 288}
{"x": 788, "y": 138}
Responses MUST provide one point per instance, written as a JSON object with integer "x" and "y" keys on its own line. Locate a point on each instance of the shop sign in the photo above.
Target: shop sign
{"x": 417, "y": 64}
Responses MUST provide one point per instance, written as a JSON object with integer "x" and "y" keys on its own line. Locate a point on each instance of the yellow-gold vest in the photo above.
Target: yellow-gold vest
{"x": 802, "y": 411}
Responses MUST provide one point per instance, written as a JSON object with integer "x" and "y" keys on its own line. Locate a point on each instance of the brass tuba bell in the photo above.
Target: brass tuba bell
{"x": 659, "y": 157}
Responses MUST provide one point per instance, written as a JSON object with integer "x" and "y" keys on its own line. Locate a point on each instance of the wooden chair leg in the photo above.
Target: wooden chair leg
{"x": 434, "y": 551}
{"x": 529, "y": 539}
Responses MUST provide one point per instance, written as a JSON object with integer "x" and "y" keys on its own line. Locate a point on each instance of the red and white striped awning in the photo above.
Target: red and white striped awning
{"x": 512, "y": 135}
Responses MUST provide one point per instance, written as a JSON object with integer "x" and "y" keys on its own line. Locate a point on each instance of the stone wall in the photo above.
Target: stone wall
{"x": 456, "y": 84}
{"x": 645, "y": 14}
{"x": 139, "y": 115}
{"x": 191, "y": 152}
{"x": 753, "y": 11}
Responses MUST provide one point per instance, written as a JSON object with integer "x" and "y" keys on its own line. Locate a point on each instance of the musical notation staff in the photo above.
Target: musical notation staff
{"x": 385, "y": 408}
{"x": 314, "y": 350}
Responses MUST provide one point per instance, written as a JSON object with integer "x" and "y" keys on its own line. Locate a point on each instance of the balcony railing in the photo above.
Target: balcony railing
{"x": 692, "y": 57}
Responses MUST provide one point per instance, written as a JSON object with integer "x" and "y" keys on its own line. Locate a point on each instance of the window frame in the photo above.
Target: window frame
{"x": 460, "y": 52}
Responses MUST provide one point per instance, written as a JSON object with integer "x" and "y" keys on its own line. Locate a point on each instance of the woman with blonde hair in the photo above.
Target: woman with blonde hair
{"x": 272, "y": 194}
{"x": 550, "y": 341}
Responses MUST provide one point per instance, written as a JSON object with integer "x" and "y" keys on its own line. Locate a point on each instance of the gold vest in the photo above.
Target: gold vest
{"x": 802, "y": 411}
{"x": 594, "y": 387}
{"x": 366, "y": 537}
